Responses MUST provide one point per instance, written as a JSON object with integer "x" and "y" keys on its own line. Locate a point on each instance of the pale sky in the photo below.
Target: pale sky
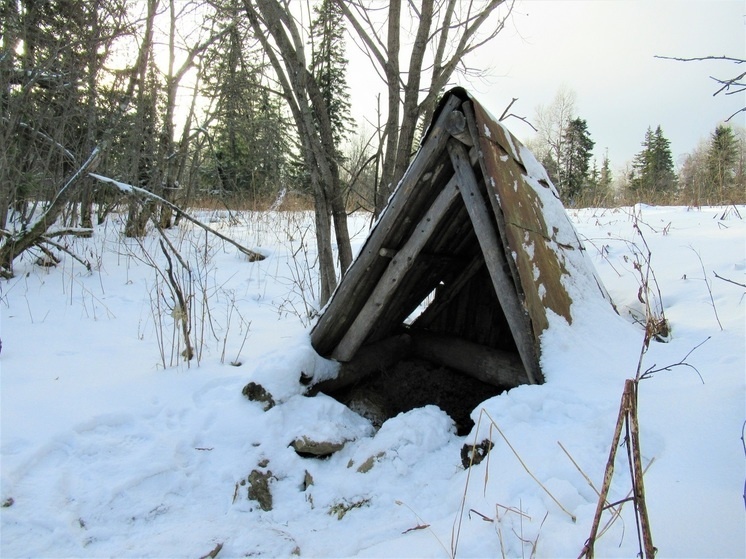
{"x": 604, "y": 51}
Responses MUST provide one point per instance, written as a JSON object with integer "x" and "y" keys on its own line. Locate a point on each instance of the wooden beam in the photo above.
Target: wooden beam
{"x": 399, "y": 265}
{"x": 489, "y": 365}
{"x": 447, "y": 292}
{"x": 369, "y": 359}
{"x": 457, "y": 127}
{"x": 345, "y": 301}
{"x": 505, "y": 289}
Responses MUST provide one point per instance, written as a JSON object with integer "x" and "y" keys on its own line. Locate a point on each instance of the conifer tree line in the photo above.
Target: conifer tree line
{"x": 235, "y": 102}
{"x": 714, "y": 173}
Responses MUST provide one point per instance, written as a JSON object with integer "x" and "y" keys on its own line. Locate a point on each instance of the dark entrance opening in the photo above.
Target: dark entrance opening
{"x": 414, "y": 383}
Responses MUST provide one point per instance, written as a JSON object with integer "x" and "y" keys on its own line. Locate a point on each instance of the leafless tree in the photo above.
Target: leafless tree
{"x": 183, "y": 52}
{"x": 551, "y": 124}
{"x": 282, "y": 37}
{"x": 76, "y": 165}
{"x": 728, "y": 86}
{"x": 444, "y": 32}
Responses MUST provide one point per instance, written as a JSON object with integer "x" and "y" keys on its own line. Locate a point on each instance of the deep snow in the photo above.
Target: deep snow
{"x": 107, "y": 453}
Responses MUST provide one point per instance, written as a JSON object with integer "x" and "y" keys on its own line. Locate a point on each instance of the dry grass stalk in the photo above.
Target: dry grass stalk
{"x": 627, "y": 416}
{"x": 422, "y": 525}
{"x": 456, "y": 530}
{"x": 492, "y": 421}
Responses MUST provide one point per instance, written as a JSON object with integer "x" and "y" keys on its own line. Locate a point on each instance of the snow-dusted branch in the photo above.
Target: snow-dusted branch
{"x": 134, "y": 190}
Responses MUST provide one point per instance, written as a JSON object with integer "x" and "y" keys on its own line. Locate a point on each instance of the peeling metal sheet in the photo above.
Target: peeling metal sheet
{"x": 526, "y": 237}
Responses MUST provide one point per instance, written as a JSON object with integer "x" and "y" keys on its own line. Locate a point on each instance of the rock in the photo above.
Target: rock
{"x": 257, "y": 393}
{"x": 307, "y": 480}
{"x": 369, "y": 463}
{"x": 259, "y": 488}
{"x": 317, "y": 449}
{"x": 471, "y": 455}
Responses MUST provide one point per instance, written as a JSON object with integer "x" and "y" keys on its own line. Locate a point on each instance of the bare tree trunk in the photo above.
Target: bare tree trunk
{"x": 270, "y": 19}
{"x": 137, "y": 217}
{"x": 409, "y": 102}
{"x": 86, "y": 217}
{"x": 392, "y": 120}
{"x": 9, "y": 28}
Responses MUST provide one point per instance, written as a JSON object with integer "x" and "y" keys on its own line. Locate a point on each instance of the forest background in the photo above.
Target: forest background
{"x": 245, "y": 104}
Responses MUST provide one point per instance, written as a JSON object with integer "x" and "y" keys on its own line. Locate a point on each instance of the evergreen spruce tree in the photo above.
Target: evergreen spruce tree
{"x": 605, "y": 178}
{"x": 653, "y": 172}
{"x": 574, "y": 168}
{"x": 722, "y": 160}
{"x": 552, "y": 168}
{"x": 250, "y": 146}
{"x": 329, "y": 67}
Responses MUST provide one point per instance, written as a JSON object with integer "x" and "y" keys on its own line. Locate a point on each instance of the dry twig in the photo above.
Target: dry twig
{"x": 213, "y": 553}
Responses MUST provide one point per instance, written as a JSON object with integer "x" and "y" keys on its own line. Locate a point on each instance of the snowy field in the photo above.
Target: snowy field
{"x": 112, "y": 446}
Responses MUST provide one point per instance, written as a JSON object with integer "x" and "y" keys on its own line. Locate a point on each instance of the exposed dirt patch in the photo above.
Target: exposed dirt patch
{"x": 414, "y": 383}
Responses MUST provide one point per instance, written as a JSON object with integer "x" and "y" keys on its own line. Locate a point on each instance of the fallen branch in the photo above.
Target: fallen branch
{"x": 132, "y": 190}
{"x": 729, "y": 280}
{"x": 16, "y": 244}
{"x": 69, "y": 232}
{"x": 213, "y": 553}
{"x": 44, "y": 239}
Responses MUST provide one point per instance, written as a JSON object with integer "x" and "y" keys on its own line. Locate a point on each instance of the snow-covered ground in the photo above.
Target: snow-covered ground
{"x": 112, "y": 446}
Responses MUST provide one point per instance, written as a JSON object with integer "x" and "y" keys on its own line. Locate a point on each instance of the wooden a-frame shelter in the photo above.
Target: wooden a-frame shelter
{"x": 475, "y": 229}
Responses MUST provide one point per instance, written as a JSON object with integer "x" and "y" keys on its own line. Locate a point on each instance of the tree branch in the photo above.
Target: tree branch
{"x": 726, "y": 84}
{"x": 130, "y": 189}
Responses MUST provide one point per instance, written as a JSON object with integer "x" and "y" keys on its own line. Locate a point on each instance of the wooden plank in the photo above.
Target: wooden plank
{"x": 495, "y": 367}
{"x": 494, "y": 258}
{"x": 448, "y": 292}
{"x": 539, "y": 271}
{"x": 451, "y": 247}
{"x": 456, "y": 126}
{"x": 415, "y": 286}
{"x": 399, "y": 265}
{"x": 354, "y": 287}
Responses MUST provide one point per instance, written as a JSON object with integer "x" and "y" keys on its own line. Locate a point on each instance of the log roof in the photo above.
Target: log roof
{"x": 476, "y": 233}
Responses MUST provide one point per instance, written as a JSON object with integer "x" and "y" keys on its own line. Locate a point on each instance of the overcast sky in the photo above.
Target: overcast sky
{"x": 604, "y": 51}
